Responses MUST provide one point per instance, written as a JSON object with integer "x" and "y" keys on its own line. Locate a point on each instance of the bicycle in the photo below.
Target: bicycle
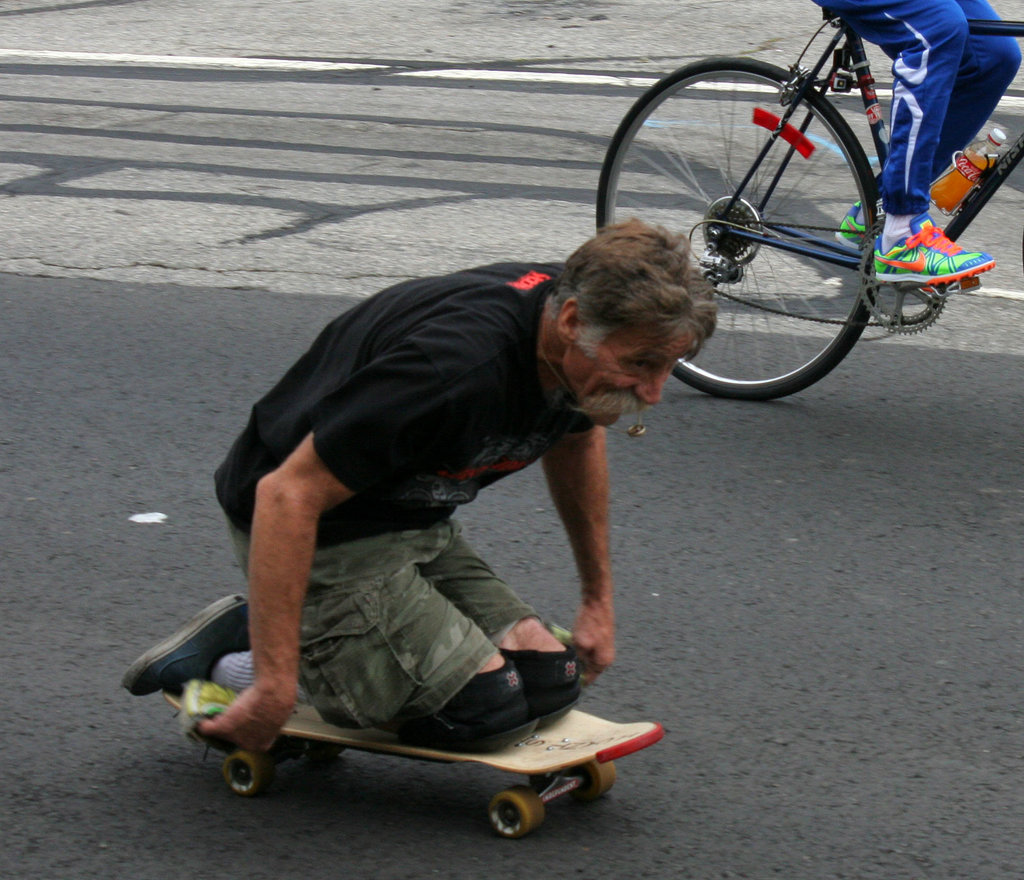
{"x": 759, "y": 166}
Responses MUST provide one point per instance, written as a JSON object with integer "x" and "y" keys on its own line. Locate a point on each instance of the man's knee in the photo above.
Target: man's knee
{"x": 551, "y": 681}
{"x": 1000, "y": 61}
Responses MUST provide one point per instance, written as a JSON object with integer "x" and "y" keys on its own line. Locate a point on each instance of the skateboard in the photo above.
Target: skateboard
{"x": 575, "y": 755}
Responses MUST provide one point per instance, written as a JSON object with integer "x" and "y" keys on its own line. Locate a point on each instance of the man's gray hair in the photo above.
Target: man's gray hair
{"x": 633, "y": 275}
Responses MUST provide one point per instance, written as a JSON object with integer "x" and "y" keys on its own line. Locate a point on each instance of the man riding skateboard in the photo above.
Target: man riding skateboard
{"x": 364, "y": 599}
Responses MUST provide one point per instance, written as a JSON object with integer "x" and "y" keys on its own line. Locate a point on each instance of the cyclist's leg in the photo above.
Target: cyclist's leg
{"x": 925, "y": 39}
{"x": 987, "y": 68}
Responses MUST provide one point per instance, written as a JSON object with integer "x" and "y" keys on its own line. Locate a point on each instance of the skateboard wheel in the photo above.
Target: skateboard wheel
{"x": 248, "y": 773}
{"x": 516, "y": 811}
{"x": 598, "y": 778}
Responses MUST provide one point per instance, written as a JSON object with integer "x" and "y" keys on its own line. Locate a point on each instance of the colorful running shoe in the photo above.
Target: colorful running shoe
{"x": 853, "y": 229}
{"x": 926, "y": 256}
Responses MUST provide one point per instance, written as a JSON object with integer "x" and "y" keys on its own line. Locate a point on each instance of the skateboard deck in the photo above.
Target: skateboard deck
{"x": 574, "y": 755}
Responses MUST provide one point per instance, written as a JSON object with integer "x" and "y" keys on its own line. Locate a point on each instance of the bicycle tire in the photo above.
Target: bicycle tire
{"x": 678, "y": 156}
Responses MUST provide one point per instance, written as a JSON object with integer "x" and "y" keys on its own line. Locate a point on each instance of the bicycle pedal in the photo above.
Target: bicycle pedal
{"x": 959, "y": 286}
{"x": 970, "y": 283}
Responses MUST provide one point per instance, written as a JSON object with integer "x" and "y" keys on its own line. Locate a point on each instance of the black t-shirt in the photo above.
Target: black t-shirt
{"x": 417, "y": 398}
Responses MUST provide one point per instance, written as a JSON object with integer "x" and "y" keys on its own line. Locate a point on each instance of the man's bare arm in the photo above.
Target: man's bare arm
{"x": 577, "y": 473}
{"x": 289, "y": 502}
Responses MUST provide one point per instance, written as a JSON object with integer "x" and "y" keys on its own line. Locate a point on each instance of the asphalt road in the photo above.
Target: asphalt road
{"x": 819, "y": 598}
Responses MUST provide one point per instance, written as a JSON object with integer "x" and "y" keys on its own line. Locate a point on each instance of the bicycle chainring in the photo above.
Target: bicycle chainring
{"x": 898, "y": 308}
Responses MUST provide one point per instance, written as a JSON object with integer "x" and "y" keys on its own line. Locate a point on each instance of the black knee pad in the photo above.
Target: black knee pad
{"x": 489, "y": 712}
{"x": 551, "y": 680}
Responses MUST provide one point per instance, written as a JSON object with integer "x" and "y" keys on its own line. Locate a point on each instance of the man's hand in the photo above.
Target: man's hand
{"x": 594, "y": 638}
{"x": 253, "y": 721}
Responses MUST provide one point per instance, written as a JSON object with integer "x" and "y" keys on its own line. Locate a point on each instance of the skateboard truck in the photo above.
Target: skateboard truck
{"x": 516, "y": 811}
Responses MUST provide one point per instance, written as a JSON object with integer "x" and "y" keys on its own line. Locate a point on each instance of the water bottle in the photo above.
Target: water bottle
{"x": 965, "y": 173}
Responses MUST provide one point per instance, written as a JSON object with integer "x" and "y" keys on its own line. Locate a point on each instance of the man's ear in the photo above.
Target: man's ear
{"x": 568, "y": 320}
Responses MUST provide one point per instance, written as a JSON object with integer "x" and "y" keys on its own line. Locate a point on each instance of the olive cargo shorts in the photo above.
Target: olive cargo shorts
{"x": 395, "y": 625}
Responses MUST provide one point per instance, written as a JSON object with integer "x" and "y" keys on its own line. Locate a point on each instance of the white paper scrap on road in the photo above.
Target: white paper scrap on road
{"x": 148, "y": 517}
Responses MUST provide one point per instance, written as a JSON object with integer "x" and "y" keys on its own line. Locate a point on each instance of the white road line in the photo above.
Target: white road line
{"x": 536, "y": 76}
{"x": 187, "y": 60}
{"x": 1000, "y": 293}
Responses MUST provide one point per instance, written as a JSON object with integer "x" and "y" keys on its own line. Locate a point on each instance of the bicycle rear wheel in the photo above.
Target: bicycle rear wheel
{"x": 788, "y": 293}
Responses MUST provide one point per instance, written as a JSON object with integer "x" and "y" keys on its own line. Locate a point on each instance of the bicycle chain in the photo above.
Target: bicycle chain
{"x": 761, "y": 306}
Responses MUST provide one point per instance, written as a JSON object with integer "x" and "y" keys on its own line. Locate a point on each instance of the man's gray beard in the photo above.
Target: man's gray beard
{"x": 605, "y": 403}
{"x": 612, "y": 403}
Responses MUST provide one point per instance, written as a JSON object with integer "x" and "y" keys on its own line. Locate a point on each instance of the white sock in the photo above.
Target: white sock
{"x": 897, "y": 227}
{"x": 236, "y": 671}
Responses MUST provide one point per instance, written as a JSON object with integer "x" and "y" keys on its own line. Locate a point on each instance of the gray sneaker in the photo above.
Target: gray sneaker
{"x": 219, "y": 629}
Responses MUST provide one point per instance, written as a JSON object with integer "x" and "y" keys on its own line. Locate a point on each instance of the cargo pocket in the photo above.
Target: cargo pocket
{"x": 348, "y": 667}
{"x": 331, "y": 614}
